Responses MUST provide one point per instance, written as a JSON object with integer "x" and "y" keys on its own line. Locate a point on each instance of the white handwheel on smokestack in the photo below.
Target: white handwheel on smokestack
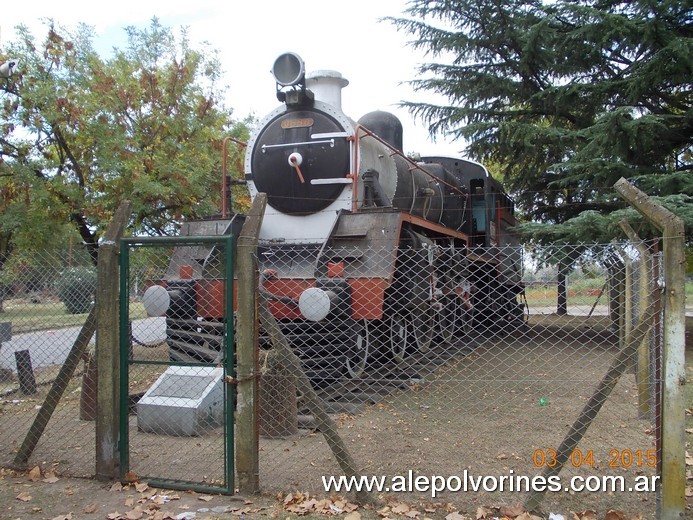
{"x": 295, "y": 159}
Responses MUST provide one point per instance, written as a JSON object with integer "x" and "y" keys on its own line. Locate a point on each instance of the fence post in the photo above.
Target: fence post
{"x": 107, "y": 337}
{"x": 673, "y": 461}
{"x": 644, "y": 289}
{"x": 25, "y": 372}
{"x": 247, "y": 457}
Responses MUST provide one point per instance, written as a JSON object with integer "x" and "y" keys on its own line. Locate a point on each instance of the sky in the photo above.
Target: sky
{"x": 250, "y": 34}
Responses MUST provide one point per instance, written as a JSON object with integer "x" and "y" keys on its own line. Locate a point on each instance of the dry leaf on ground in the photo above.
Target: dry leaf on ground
{"x": 34, "y": 474}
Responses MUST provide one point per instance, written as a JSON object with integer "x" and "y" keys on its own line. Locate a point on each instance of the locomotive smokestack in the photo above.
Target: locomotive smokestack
{"x": 327, "y": 86}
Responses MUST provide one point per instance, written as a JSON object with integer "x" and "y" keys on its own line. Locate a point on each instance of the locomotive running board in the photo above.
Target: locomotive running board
{"x": 437, "y": 228}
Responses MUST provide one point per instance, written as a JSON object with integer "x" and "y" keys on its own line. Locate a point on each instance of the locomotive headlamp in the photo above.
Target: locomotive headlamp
{"x": 289, "y": 70}
{"x": 315, "y": 304}
{"x": 156, "y": 301}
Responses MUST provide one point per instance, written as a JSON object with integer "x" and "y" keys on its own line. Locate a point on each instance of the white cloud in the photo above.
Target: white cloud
{"x": 346, "y": 37}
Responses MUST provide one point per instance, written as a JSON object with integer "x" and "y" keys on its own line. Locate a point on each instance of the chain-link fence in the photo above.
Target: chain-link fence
{"x": 471, "y": 383}
{"x": 466, "y": 383}
{"x": 46, "y": 299}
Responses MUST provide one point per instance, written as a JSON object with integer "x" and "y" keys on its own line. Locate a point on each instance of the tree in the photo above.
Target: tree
{"x": 567, "y": 97}
{"x": 79, "y": 133}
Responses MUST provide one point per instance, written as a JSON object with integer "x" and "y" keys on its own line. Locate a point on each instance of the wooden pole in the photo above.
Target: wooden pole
{"x": 25, "y": 372}
{"x": 247, "y": 446}
{"x": 108, "y": 348}
{"x": 56, "y": 391}
{"x": 673, "y": 458}
{"x": 645, "y": 287}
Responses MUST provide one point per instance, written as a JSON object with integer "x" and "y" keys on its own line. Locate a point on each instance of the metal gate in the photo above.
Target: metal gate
{"x": 177, "y": 362}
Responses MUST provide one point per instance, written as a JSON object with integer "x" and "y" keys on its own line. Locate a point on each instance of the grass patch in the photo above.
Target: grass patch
{"x": 30, "y": 317}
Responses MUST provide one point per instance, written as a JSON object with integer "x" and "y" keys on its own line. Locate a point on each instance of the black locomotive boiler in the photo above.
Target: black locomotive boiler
{"x": 360, "y": 245}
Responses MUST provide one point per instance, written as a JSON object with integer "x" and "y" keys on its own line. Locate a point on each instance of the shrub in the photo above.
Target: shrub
{"x": 76, "y": 288}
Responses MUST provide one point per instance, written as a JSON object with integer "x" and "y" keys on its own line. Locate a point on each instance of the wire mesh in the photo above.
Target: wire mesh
{"x": 463, "y": 367}
{"x": 44, "y": 301}
{"x": 174, "y": 364}
{"x": 418, "y": 372}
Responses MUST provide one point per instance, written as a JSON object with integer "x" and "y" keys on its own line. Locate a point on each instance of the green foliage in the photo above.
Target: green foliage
{"x": 566, "y": 97}
{"x": 79, "y": 133}
{"x": 76, "y": 288}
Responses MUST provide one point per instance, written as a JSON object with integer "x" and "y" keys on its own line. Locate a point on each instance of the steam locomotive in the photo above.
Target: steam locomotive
{"x": 363, "y": 252}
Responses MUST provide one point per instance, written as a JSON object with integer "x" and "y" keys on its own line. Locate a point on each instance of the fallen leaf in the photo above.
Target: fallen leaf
{"x": 588, "y": 514}
{"x": 612, "y": 514}
{"x": 117, "y": 486}
{"x": 130, "y": 476}
{"x": 141, "y": 487}
{"x": 527, "y": 516}
{"x": 456, "y": 516}
{"x": 512, "y": 512}
{"x": 135, "y": 514}
{"x": 24, "y": 496}
{"x": 482, "y": 512}
{"x": 113, "y": 516}
{"x": 129, "y": 502}
{"x": 400, "y": 509}
{"x": 68, "y": 516}
{"x": 34, "y": 474}
{"x": 163, "y": 515}
{"x": 314, "y": 504}
{"x": 205, "y": 498}
{"x": 50, "y": 480}
{"x": 90, "y": 508}
{"x": 354, "y": 515}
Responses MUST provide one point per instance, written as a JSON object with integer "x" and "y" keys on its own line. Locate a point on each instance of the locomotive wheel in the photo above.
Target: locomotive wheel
{"x": 356, "y": 361}
{"x": 423, "y": 325}
{"x": 450, "y": 318}
{"x": 398, "y": 325}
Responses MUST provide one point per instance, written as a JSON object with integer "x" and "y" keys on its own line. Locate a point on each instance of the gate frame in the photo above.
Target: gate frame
{"x": 226, "y": 242}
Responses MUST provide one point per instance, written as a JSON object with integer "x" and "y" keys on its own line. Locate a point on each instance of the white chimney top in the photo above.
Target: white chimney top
{"x": 327, "y": 86}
